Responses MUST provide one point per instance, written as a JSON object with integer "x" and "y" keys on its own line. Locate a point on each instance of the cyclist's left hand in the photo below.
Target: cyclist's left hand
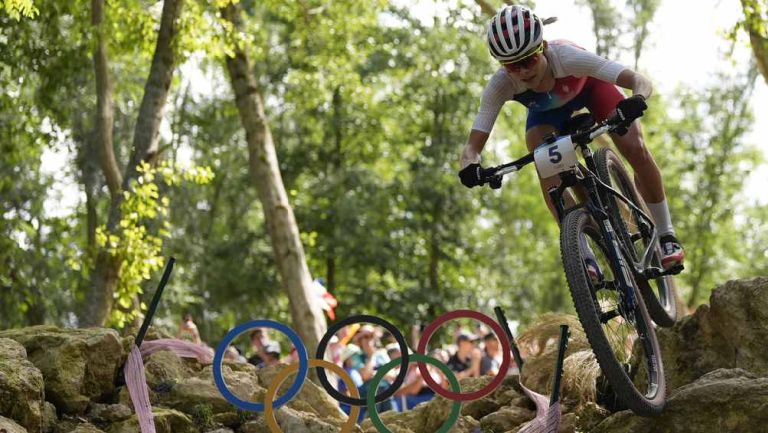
{"x": 471, "y": 175}
{"x": 631, "y": 108}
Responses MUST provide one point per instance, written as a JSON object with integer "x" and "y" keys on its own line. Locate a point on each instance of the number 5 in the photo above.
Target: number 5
{"x": 554, "y": 155}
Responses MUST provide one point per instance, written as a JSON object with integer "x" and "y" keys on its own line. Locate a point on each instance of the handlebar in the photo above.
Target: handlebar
{"x": 493, "y": 175}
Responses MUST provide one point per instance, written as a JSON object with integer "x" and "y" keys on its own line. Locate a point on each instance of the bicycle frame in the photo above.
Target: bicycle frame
{"x": 598, "y": 192}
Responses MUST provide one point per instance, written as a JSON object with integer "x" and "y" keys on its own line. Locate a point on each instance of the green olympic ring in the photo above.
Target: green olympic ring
{"x": 414, "y": 357}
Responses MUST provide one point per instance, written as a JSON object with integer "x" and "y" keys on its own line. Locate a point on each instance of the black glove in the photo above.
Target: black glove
{"x": 471, "y": 175}
{"x": 631, "y": 108}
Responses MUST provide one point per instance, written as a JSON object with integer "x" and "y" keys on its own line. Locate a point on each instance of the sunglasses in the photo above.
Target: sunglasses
{"x": 526, "y": 62}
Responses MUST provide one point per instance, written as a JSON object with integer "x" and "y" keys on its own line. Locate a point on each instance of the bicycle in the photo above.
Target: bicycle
{"x": 611, "y": 228}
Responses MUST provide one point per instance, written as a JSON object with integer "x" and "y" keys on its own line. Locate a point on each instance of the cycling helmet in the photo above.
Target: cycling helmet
{"x": 514, "y": 32}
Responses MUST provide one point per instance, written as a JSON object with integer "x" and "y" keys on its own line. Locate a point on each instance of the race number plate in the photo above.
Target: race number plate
{"x": 553, "y": 159}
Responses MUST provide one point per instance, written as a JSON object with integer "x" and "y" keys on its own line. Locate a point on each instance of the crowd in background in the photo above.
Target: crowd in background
{"x": 362, "y": 349}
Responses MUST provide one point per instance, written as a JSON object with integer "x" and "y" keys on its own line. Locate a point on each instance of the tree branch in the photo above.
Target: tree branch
{"x": 104, "y": 109}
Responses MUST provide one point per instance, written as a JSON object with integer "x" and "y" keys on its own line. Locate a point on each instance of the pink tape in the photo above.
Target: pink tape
{"x": 547, "y": 417}
{"x": 136, "y": 379}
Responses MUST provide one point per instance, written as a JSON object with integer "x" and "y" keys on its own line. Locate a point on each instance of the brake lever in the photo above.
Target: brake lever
{"x": 491, "y": 178}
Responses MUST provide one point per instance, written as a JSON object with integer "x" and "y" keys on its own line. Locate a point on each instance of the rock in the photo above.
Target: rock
{"x": 164, "y": 368}
{"x": 50, "y": 418}
{"x": 294, "y": 421}
{"x": 8, "y": 425}
{"x": 257, "y": 426}
{"x": 228, "y": 419}
{"x": 491, "y": 402}
{"x": 21, "y": 387}
{"x": 76, "y": 426}
{"x": 426, "y": 417}
{"x": 166, "y": 421}
{"x": 507, "y": 418}
{"x": 86, "y": 428}
{"x": 189, "y": 394}
{"x": 725, "y": 400}
{"x": 730, "y": 332}
{"x": 589, "y": 414}
{"x": 77, "y": 364}
{"x": 312, "y": 398}
{"x": 109, "y": 413}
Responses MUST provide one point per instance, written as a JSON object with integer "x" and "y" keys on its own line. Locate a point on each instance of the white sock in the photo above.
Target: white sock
{"x": 660, "y": 214}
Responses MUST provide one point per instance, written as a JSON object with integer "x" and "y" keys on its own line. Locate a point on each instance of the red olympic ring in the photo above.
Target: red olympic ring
{"x": 505, "y": 349}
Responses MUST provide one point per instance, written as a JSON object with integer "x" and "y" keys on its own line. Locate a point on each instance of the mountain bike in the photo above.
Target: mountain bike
{"x": 611, "y": 233}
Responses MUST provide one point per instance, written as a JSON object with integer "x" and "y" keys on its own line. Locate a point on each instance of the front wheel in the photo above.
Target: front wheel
{"x": 622, "y": 338}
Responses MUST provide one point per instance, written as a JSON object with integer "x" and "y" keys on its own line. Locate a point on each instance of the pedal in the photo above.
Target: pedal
{"x": 674, "y": 270}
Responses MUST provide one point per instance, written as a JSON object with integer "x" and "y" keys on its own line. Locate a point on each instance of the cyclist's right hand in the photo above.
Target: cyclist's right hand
{"x": 471, "y": 175}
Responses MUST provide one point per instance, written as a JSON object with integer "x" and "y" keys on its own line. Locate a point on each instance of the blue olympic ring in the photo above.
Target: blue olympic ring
{"x": 231, "y": 335}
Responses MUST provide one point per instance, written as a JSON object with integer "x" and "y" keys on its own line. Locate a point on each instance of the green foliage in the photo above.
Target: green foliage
{"x": 705, "y": 161}
{"x": 18, "y": 8}
{"x": 369, "y": 108}
{"x": 136, "y": 244}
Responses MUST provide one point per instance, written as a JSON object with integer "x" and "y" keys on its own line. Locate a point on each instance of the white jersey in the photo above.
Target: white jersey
{"x": 571, "y": 65}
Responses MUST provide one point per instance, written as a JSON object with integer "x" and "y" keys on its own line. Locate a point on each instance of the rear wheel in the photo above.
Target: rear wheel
{"x": 659, "y": 293}
{"x": 622, "y": 338}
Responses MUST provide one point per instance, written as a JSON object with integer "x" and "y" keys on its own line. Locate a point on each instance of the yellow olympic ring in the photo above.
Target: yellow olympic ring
{"x": 269, "y": 413}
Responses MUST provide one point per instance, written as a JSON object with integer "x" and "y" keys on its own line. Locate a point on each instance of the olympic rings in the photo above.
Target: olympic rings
{"x": 505, "y": 349}
{"x": 280, "y": 377}
{"x": 231, "y": 335}
{"x": 321, "y": 346}
{"x": 418, "y": 357}
{"x": 270, "y": 404}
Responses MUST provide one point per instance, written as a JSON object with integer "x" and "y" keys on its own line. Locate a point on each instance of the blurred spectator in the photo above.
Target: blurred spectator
{"x": 372, "y": 357}
{"x": 466, "y": 361}
{"x": 259, "y": 339}
{"x": 350, "y": 362}
{"x": 387, "y": 338}
{"x": 271, "y": 354}
{"x": 491, "y": 360}
{"x": 188, "y": 330}
{"x": 233, "y": 355}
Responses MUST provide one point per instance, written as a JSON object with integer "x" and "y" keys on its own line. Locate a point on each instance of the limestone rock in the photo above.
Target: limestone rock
{"x": 21, "y": 387}
{"x": 50, "y": 418}
{"x": 73, "y": 425}
{"x": 109, "y": 413}
{"x": 9, "y": 426}
{"x": 507, "y": 418}
{"x": 725, "y": 400}
{"x": 312, "y": 398}
{"x": 730, "y": 332}
{"x": 166, "y": 421}
{"x": 77, "y": 364}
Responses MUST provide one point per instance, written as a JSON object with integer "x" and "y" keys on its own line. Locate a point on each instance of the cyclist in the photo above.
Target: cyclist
{"x": 553, "y": 79}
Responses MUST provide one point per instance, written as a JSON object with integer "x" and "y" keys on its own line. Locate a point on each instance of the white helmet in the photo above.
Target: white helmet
{"x": 514, "y": 32}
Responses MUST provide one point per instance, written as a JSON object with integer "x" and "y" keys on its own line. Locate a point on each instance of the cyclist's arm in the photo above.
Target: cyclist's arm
{"x": 473, "y": 148}
{"x": 500, "y": 89}
{"x": 636, "y": 82}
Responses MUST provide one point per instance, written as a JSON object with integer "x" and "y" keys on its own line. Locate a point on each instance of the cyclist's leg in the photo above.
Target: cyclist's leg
{"x": 542, "y": 123}
{"x": 602, "y": 101}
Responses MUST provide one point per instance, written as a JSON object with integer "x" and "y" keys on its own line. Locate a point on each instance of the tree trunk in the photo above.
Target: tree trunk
{"x": 486, "y": 7}
{"x": 99, "y": 300}
{"x": 307, "y": 315}
{"x": 107, "y": 273}
{"x": 754, "y": 24}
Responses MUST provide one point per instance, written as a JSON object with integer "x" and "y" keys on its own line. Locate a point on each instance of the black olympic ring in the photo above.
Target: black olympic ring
{"x": 359, "y": 319}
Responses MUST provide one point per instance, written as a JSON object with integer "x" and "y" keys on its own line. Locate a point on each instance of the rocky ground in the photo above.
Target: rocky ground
{"x": 716, "y": 360}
